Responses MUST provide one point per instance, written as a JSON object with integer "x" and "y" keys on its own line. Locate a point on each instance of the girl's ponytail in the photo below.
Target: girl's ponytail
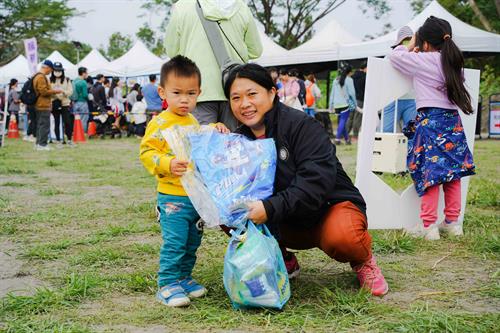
{"x": 452, "y": 61}
{"x": 437, "y": 32}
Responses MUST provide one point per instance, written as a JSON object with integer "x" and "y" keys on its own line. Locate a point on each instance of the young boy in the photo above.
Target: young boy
{"x": 180, "y": 82}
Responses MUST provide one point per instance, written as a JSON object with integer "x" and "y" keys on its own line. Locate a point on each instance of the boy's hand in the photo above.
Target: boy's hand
{"x": 256, "y": 212}
{"x": 412, "y": 45}
{"x": 221, "y": 128}
{"x": 178, "y": 167}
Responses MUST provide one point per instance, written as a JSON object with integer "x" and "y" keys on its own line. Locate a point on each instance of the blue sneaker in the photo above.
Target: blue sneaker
{"x": 173, "y": 295}
{"x": 192, "y": 288}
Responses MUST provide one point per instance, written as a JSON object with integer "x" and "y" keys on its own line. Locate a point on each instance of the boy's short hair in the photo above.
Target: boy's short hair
{"x": 139, "y": 98}
{"x": 180, "y": 66}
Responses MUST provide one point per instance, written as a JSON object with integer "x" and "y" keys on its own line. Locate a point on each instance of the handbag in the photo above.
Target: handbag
{"x": 212, "y": 28}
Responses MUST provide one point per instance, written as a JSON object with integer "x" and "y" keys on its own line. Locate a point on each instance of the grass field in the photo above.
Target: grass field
{"x": 79, "y": 225}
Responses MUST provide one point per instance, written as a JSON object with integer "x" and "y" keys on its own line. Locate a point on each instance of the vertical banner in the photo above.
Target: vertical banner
{"x": 494, "y": 103}
{"x": 31, "y": 48}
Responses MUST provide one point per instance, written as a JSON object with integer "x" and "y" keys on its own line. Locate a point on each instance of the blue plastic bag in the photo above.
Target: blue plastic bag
{"x": 235, "y": 170}
{"x": 255, "y": 274}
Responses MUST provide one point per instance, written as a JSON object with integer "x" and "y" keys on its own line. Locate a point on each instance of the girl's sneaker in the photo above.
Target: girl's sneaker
{"x": 192, "y": 288}
{"x": 429, "y": 233}
{"x": 173, "y": 295}
{"x": 452, "y": 228}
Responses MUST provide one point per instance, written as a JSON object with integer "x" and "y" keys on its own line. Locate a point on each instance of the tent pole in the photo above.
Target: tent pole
{"x": 328, "y": 89}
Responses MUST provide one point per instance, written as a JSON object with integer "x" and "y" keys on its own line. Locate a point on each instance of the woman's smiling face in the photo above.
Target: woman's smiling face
{"x": 250, "y": 102}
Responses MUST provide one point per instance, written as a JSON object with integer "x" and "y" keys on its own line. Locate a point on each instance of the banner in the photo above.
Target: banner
{"x": 494, "y": 129}
{"x": 31, "y": 48}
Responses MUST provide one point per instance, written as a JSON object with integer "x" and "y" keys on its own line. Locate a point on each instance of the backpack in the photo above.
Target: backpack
{"x": 302, "y": 93}
{"x": 310, "y": 96}
{"x": 28, "y": 93}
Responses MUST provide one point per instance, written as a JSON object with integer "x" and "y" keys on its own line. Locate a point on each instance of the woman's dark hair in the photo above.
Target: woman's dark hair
{"x": 343, "y": 72}
{"x": 136, "y": 87}
{"x": 114, "y": 83}
{"x": 53, "y": 77}
{"x": 12, "y": 83}
{"x": 253, "y": 72}
{"x": 437, "y": 32}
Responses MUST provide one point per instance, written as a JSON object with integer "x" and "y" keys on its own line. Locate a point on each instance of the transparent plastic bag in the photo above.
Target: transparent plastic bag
{"x": 228, "y": 170}
{"x": 255, "y": 274}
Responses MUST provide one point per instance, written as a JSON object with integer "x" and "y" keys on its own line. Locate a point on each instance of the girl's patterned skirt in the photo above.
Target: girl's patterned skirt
{"x": 438, "y": 151}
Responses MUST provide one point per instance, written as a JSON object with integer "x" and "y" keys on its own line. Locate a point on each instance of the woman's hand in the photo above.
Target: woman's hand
{"x": 178, "y": 167}
{"x": 221, "y": 128}
{"x": 257, "y": 212}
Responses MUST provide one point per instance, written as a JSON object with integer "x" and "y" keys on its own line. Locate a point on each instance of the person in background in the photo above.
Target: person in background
{"x": 186, "y": 36}
{"x": 276, "y": 77}
{"x": 43, "y": 103}
{"x": 355, "y": 118}
{"x": 106, "y": 83}
{"x": 61, "y": 103}
{"x": 80, "y": 97}
{"x": 407, "y": 107}
{"x": 116, "y": 101}
{"x": 13, "y": 103}
{"x": 132, "y": 95}
{"x": 153, "y": 100}
{"x": 438, "y": 153}
{"x": 139, "y": 116}
{"x": 295, "y": 75}
{"x": 99, "y": 93}
{"x": 313, "y": 94}
{"x": 289, "y": 94}
{"x": 343, "y": 101}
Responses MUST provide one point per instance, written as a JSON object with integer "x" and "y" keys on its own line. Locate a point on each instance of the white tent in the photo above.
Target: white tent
{"x": 93, "y": 61}
{"x": 16, "y": 69}
{"x": 270, "y": 49}
{"x": 137, "y": 58}
{"x": 58, "y": 57}
{"x": 467, "y": 37}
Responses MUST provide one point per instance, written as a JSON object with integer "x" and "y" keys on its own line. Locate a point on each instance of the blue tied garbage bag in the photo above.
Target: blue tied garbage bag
{"x": 235, "y": 170}
{"x": 255, "y": 274}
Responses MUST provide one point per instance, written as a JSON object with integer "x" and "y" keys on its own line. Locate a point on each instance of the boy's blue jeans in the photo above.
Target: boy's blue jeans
{"x": 181, "y": 238}
{"x": 407, "y": 110}
{"x": 342, "y": 129}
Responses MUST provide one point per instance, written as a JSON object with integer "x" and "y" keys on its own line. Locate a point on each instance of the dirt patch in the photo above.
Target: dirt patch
{"x": 14, "y": 277}
{"x": 132, "y": 329}
{"x": 61, "y": 178}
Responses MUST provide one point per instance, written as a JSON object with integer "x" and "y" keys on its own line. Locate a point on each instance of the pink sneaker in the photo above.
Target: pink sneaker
{"x": 370, "y": 277}
{"x": 292, "y": 265}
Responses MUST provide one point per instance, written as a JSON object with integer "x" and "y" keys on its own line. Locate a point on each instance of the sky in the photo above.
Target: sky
{"x": 104, "y": 17}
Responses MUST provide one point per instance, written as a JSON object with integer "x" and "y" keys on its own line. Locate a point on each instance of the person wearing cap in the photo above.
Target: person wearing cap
{"x": 43, "y": 104}
{"x": 61, "y": 103}
{"x": 407, "y": 108}
{"x": 81, "y": 96}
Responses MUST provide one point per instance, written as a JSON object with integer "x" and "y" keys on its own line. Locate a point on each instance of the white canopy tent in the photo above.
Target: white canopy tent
{"x": 16, "y": 69}
{"x": 270, "y": 49}
{"x": 93, "y": 61}
{"x": 467, "y": 37}
{"x": 138, "y": 61}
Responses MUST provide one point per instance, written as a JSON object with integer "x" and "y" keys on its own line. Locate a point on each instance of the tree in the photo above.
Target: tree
{"x": 21, "y": 19}
{"x": 288, "y": 22}
{"x": 291, "y": 23}
{"x": 118, "y": 45}
{"x": 483, "y": 14}
{"x": 148, "y": 37}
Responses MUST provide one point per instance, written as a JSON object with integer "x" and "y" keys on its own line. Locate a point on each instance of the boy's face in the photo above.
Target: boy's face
{"x": 180, "y": 92}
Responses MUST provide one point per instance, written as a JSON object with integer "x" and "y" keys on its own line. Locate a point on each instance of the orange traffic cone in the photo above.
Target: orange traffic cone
{"x": 13, "y": 132}
{"x": 92, "y": 130}
{"x": 78, "y": 134}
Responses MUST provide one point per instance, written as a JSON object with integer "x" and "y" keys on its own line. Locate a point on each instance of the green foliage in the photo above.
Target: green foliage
{"x": 21, "y": 19}
{"x": 490, "y": 81}
{"x": 118, "y": 45}
{"x": 153, "y": 42}
{"x": 290, "y": 23}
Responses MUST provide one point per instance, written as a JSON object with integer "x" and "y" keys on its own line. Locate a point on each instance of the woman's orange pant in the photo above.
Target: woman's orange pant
{"x": 342, "y": 235}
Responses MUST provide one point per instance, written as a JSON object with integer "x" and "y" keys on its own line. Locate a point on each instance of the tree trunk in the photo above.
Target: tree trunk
{"x": 484, "y": 21}
{"x": 497, "y": 4}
